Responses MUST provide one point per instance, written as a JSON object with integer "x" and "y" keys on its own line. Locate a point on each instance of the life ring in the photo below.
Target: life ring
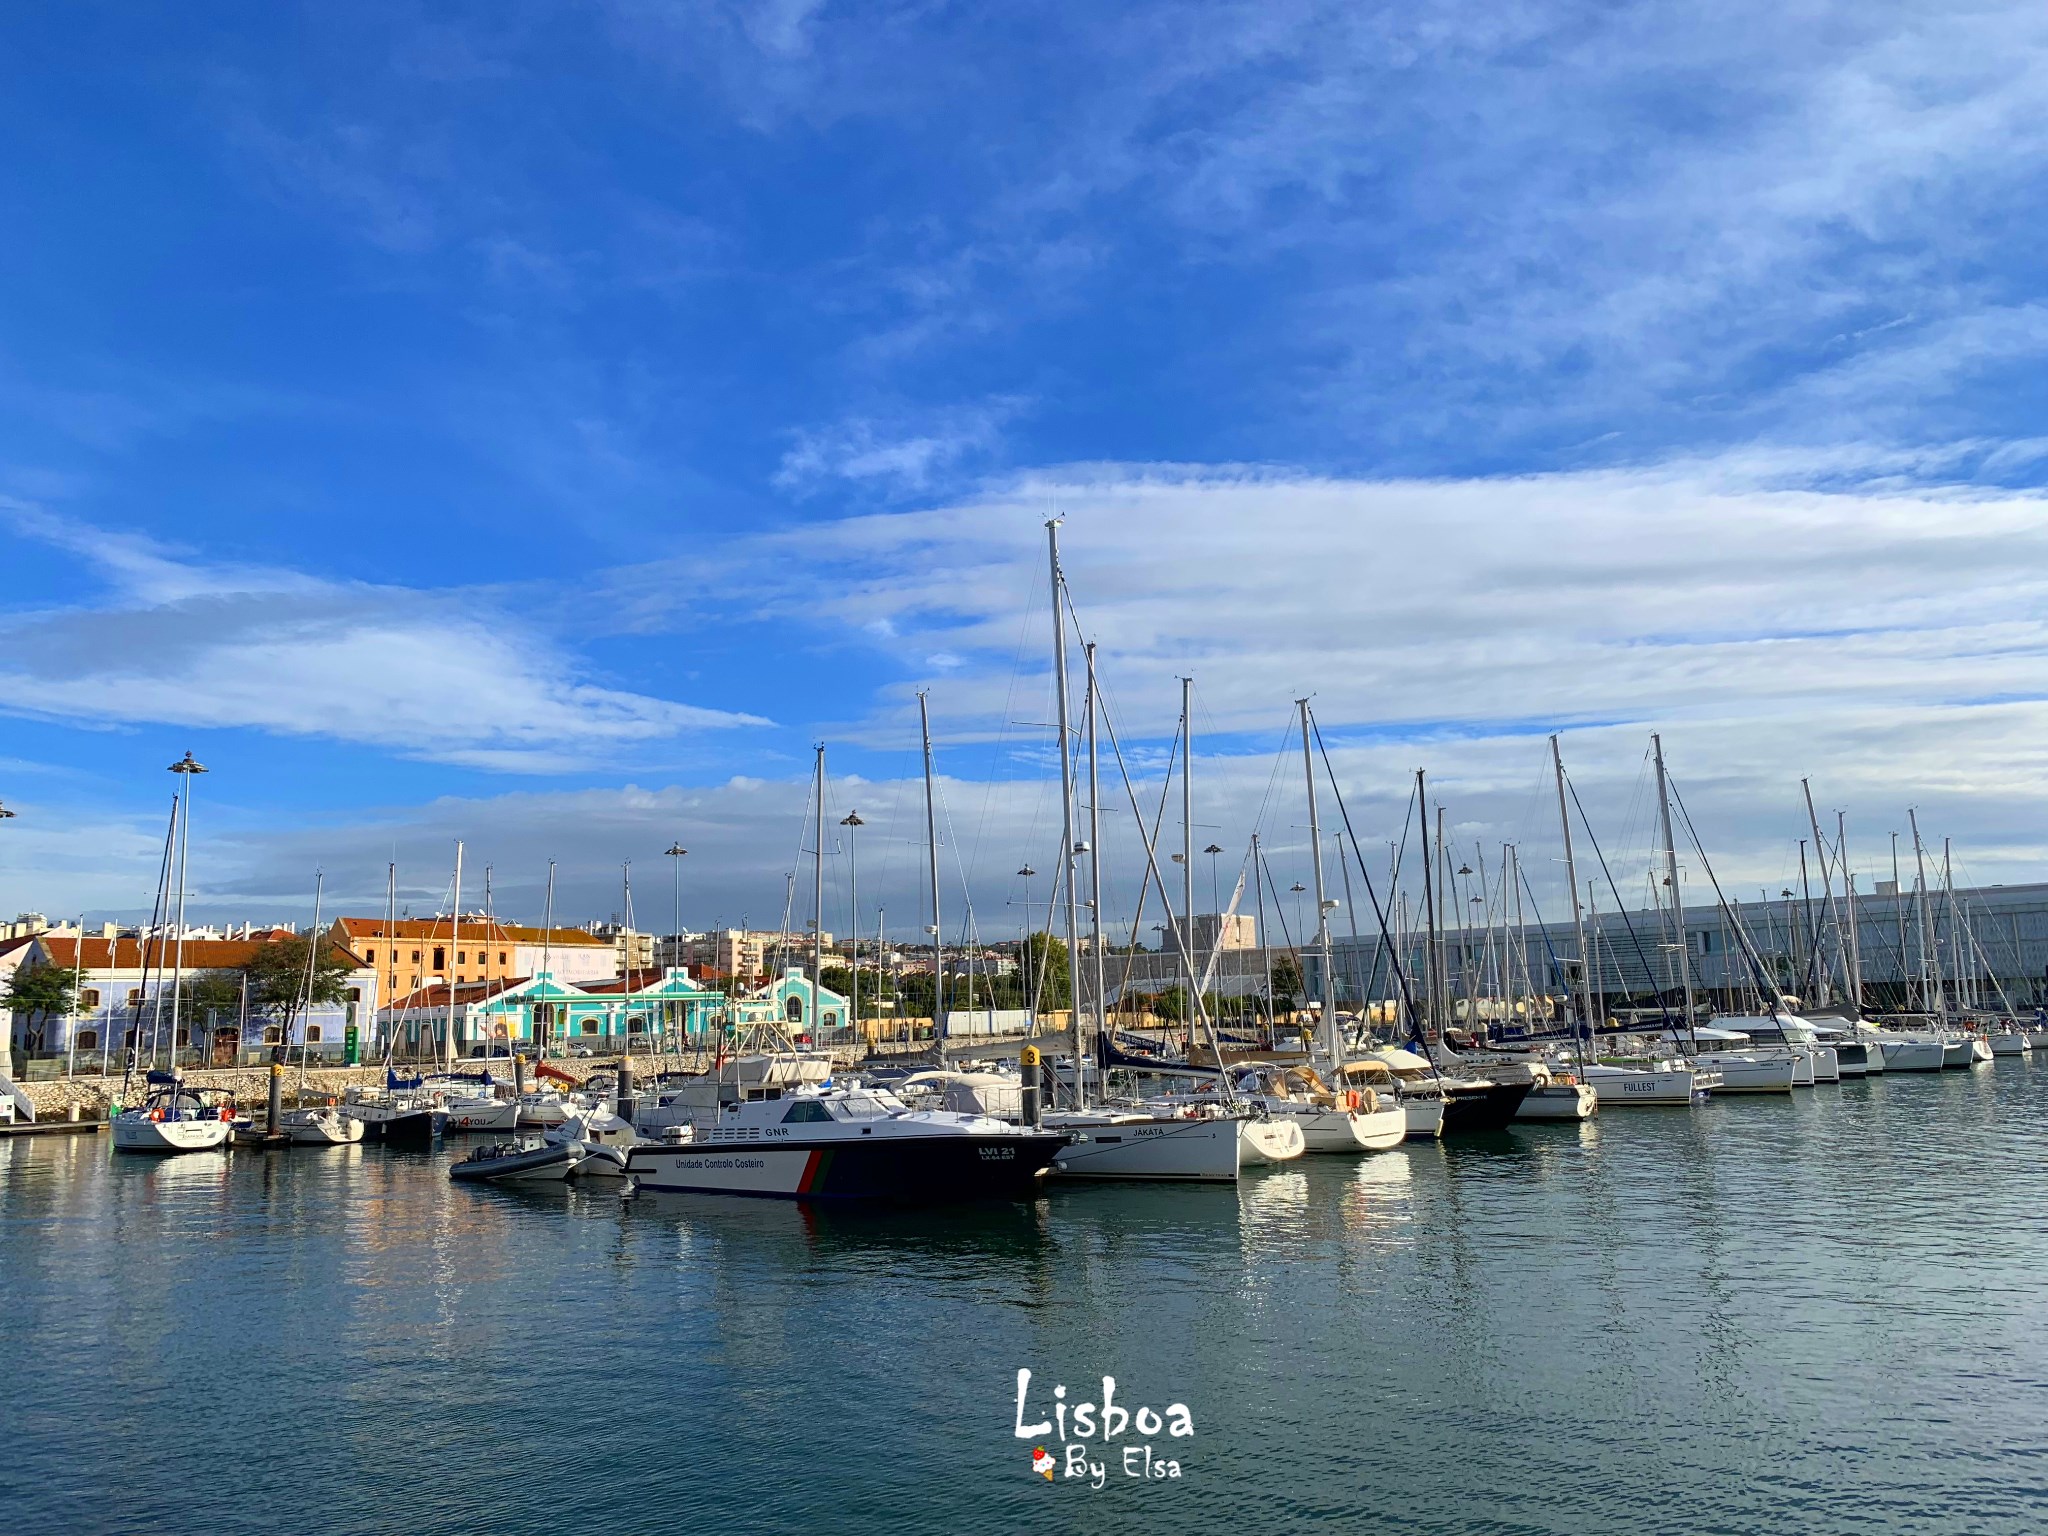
{"x": 156, "y": 1114}
{"x": 1351, "y": 1099}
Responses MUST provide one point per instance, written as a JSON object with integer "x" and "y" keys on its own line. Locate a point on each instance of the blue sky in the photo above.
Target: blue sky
{"x": 539, "y": 424}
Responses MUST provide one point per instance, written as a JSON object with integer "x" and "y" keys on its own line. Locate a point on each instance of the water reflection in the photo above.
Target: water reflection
{"x": 1818, "y": 1313}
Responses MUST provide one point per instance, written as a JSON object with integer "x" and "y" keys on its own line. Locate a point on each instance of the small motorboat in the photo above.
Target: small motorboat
{"x": 324, "y": 1126}
{"x": 529, "y": 1159}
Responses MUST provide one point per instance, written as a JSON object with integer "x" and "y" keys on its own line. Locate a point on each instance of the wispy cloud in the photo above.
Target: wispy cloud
{"x": 1776, "y": 584}
{"x": 909, "y": 453}
{"x": 449, "y": 676}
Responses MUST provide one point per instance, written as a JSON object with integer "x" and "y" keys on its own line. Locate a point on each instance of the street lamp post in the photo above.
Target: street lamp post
{"x": 676, "y": 851}
{"x": 850, "y": 821}
{"x": 188, "y": 769}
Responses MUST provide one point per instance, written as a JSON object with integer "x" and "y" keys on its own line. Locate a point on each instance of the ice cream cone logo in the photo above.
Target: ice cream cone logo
{"x": 1042, "y": 1463}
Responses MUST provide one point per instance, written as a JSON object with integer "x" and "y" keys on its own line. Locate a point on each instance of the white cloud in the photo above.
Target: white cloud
{"x": 448, "y": 676}
{"x": 1690, "y": 591}
{"x": 907, "y": 453}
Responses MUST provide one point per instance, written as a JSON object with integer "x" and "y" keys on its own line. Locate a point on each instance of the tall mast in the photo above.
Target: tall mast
{"x": 1813, "y": 965}
{"x": 1899, "y": 912}
{"x": 818, "y": 893}
{"x": 454, "y": 938}
{"x": 1265, "y": 941}
{"x": 186, "y": 769}
{"x": 391, "y": 942}
{"x": 1333, "y": 1040}
{"x": 931, "y": 834}
{"x": 1444, "y": 894}
{"x": 1429, "y": 944}
{"x": 1094, "y": 895}
{"x": 547, "y": 941}
{"x": 1948, "y": 897}
{"x": 1849, "y": 913}
{"x": 1671, "y": 879}
{"x": 1931, "y": 985}
{"x": 1827, "y": 890}
{"x": 312, "y": 968}
{"x": 1187, "y": 825}
{"x": 1571, "y": 879}
{"x": 1062, "y": 705}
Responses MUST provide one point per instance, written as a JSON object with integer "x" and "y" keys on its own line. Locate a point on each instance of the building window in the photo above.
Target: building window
{"x": 415, "y": 957}
{"x": 89, "y": 998}
{"x": 312, "y": 1034}
{"x": 88, "y": 1039}
{"x": 355, "y": 994}
{"x": 270, "y": 1034}
{"x": 501, "y": 957}
{"x": 135, "y": 997}
{"x": 440, "y": 957}
{"x": 796, "y": 1010}
{"x": 589, "y": 1026}
{"x": 370, "y": 954}
{"x": 461, "y": 958}
{"x": 636, "y": 1025}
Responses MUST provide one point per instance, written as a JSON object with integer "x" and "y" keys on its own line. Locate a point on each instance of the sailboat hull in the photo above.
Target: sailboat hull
{"x": 481, "y": 1115}
{"x": 1742, "y": 1073}
{"x": 1913, "y": 1056}
{"x": 1191, "y": 1150}
{"x": 1559, "y": 1101}
{"x": 409, "y": 1130}
{"x": 1956, "y": 1052}
{"x": 165, "y": 1136}
{"x": 911, "y": 1170}
{"x": 322, "y": 1129}
{"x": 1628, "y": 1086}
{"x": 1260, "y": 1142}
{"x": 1341, "y": 1130}
{"x": 2009, "y": 1045}
{"x": 1423, "y": 1119}
{"x": 1467, "y": 1111}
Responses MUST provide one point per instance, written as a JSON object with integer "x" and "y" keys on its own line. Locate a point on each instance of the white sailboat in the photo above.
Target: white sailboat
{"x": 172, "y": 1118}
{"x": 323, "y": 1126}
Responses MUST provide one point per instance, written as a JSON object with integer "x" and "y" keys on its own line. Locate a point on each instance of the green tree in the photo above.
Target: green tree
{"x": 40, "y": 993}
{"x": 213, "y": 993}
{"x": 1042, "y": 971}
{"x": 277, "y": 979}
{"x": 1286, "y": 982}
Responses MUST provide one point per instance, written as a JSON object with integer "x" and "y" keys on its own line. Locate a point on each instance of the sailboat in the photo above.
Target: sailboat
{"x": 1186, "y": 1138}
{"x": 173, "y": 1118}
{"x": 1652, "y": 1081}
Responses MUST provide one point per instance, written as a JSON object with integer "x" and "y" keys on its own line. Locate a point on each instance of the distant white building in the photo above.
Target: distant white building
{"x": 125, "y": 997}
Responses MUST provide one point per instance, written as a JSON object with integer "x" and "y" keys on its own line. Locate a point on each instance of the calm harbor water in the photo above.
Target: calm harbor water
{"x": 1818, "y": 1314}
